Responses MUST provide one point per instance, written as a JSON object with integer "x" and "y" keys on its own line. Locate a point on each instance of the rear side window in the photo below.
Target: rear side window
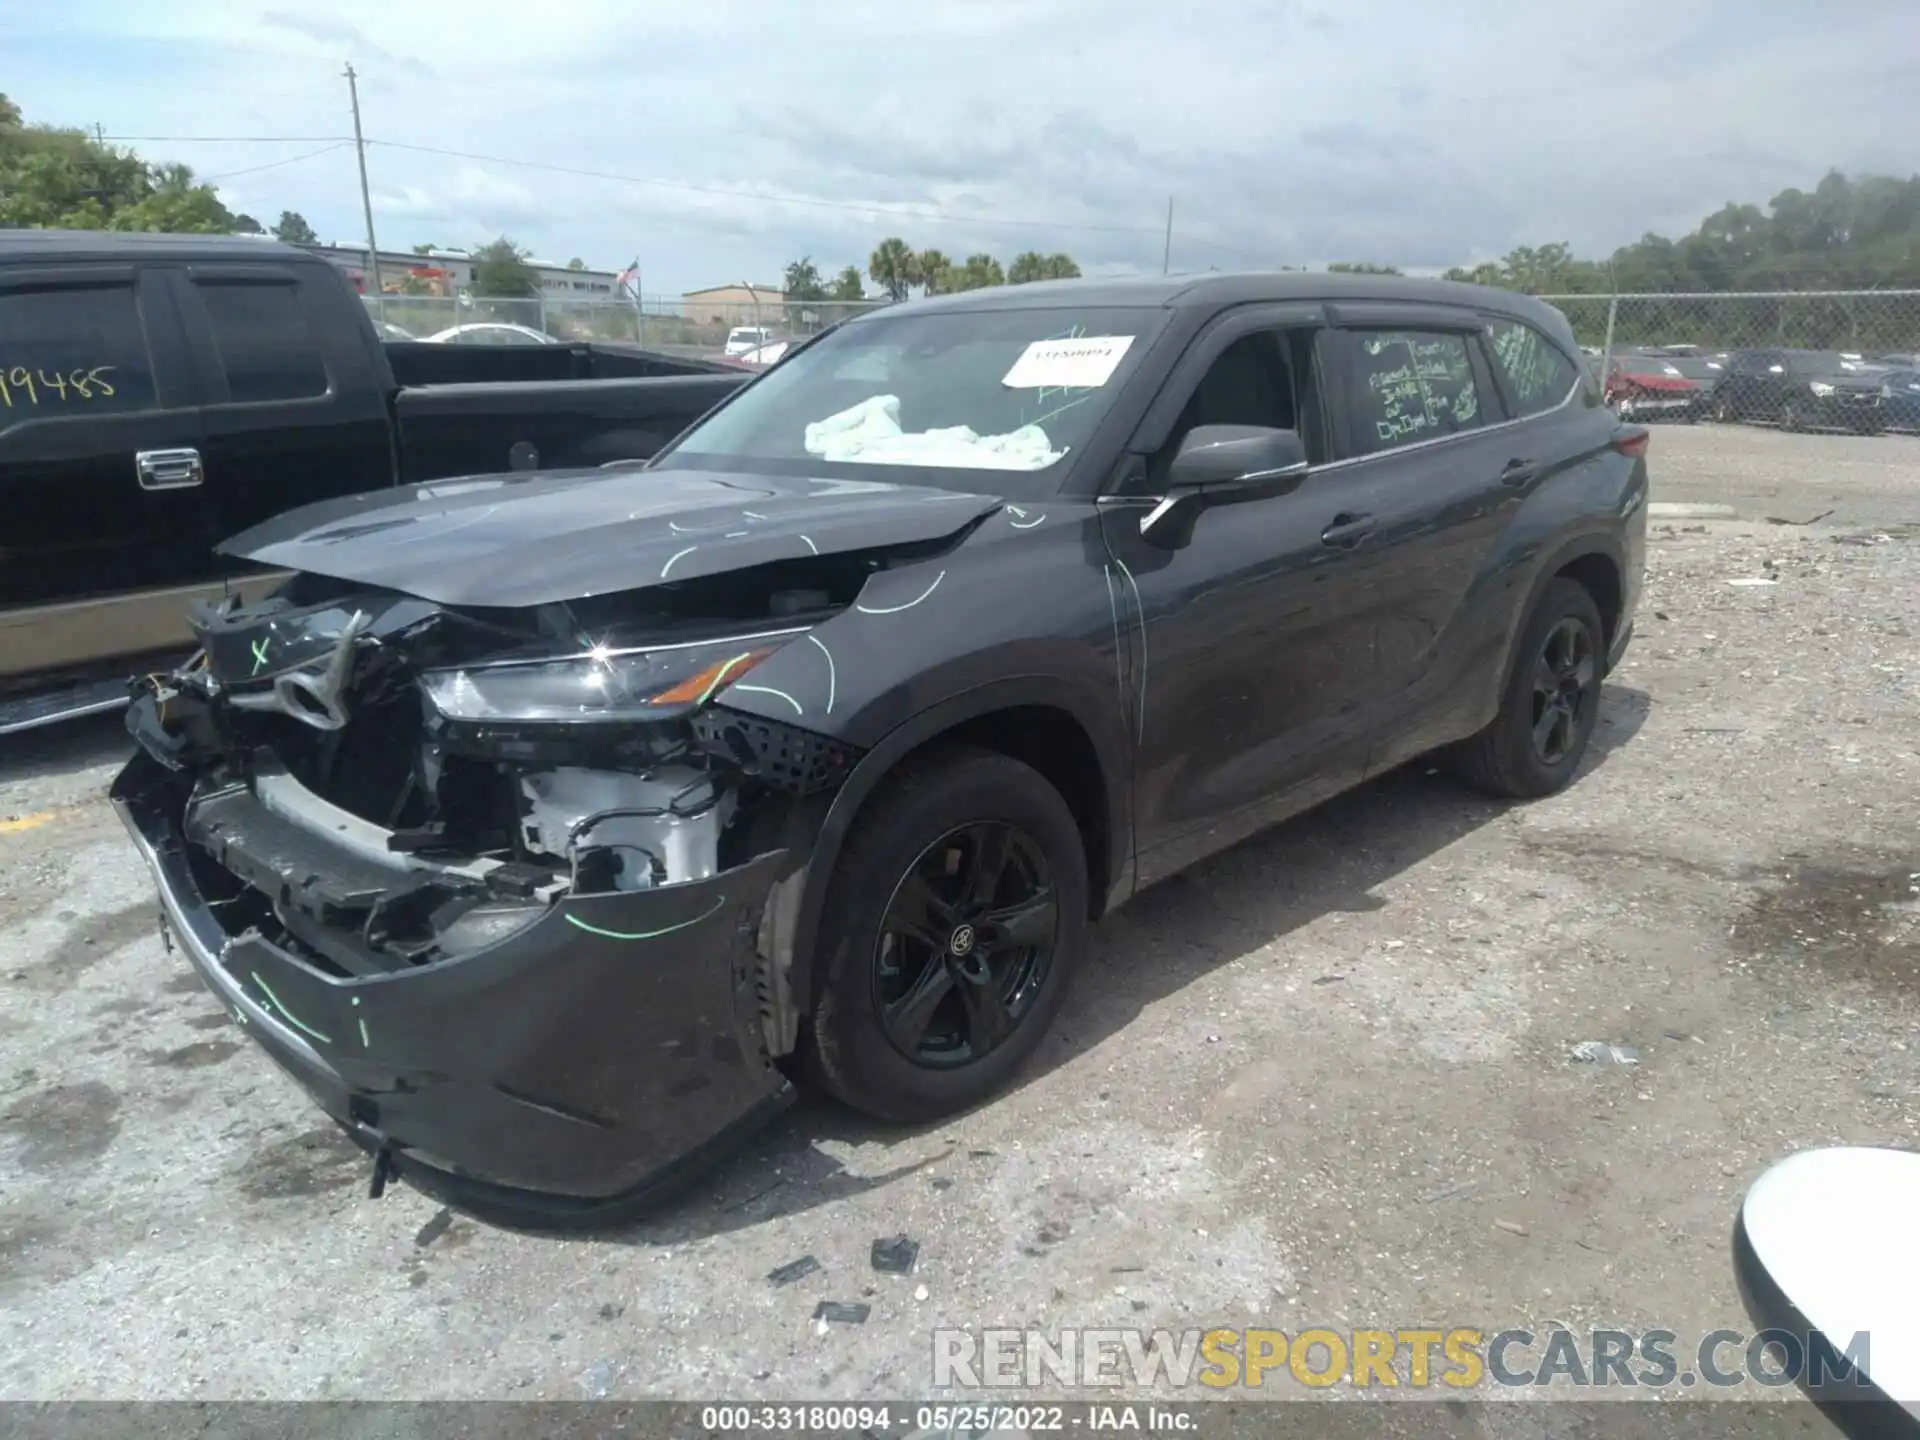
{"x": 1539, "y": 375}
{"x": 72, "y": 351}
{"x": 266, "y": 346}
{"x": 1410, "y": 385}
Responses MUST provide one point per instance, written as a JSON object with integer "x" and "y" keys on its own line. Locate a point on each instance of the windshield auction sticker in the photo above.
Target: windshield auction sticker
{"x": 1084, "y": 363}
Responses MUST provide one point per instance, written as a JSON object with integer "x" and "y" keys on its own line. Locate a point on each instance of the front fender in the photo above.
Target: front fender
{"x": 1019, "y": 614}
{"x": 1092, "y": 710}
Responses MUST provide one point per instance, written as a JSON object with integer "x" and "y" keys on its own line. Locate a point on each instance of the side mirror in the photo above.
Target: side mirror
{"x": 1223, "y": 465}
{"x": 1823, "y": 1252}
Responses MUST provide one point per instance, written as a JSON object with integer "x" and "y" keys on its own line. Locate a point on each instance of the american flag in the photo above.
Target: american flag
{"x": 630, "y": 276}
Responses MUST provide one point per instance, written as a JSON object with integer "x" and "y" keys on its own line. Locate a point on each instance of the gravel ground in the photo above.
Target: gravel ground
{"x": 1324, "y": 1079}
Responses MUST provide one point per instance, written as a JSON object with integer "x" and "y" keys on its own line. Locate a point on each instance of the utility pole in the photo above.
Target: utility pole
{"x": 1166, "y": 255}
{"x": 366, "y": 199}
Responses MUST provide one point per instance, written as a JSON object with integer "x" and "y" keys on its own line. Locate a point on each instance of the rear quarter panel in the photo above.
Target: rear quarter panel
{"x": 1591, "y": 502}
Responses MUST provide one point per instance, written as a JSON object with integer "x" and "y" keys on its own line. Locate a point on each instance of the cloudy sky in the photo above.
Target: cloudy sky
{"x": 722, "y": 138}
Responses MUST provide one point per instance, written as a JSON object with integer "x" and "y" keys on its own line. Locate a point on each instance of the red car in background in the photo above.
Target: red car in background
{"x": 1652, "y": 387}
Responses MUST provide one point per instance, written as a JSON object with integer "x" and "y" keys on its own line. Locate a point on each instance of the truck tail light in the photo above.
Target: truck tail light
{"x": 1632, "y": 443}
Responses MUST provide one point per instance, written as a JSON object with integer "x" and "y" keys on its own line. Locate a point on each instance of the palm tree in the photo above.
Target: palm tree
{"x": 979, "y": 273}
{"x": 936, "y": 271}
{"x": 1027, "y": 267}
{"x": 894, "y": 267}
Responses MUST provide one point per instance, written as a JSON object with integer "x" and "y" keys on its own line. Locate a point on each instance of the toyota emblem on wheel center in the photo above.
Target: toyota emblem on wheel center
{"x": 962, "y": 941}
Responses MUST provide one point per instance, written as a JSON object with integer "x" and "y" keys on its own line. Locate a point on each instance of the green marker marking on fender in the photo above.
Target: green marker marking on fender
{"x": 292, "y": 1018}
{"x": 578, "y": 923}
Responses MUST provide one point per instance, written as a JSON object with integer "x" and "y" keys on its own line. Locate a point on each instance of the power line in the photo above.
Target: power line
{"x": 812, "y": 202}
{"x": 232, "y": 139}
{"x": 275, "y": 164}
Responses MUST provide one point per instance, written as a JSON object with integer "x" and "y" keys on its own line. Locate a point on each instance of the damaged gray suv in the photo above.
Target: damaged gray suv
{"x": 547, "y": 827}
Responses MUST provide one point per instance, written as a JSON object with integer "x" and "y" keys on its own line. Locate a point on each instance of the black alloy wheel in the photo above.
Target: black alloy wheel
{"x": 1551, "y": 701}
{"x": 954, "y": 918}
{"x": 1564, "y": 688}
{"x": 965, "y": 944}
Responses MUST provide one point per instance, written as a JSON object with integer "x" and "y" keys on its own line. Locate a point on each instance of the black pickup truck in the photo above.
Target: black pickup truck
{"x": 160, "y": 392}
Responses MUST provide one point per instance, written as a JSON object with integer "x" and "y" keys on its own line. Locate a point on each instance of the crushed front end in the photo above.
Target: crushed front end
{"x": 506, "y": 891}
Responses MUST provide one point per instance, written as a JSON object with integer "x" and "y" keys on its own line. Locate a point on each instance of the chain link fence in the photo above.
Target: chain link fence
{"x": 1800, "y": 359}
{"x": 691, "y": 326}
{"x": 1811, "y": 358}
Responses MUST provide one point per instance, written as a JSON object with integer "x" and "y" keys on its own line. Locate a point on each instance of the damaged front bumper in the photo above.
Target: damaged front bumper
{"x": 574, "y": 1071}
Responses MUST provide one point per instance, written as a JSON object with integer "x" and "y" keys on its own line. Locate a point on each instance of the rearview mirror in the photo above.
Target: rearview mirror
{"x": 1223, "y": 465}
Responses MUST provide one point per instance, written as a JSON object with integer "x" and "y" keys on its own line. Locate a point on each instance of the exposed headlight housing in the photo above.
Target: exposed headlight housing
{"x": 600, "y": 685}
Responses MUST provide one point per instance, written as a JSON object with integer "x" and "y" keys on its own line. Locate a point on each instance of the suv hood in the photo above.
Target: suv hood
{"x": 539, "y": 538}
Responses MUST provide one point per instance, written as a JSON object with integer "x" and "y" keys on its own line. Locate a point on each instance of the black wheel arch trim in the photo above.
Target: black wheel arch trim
{"x": 1111, "y": 752}
{"x": 1561, "y": 554}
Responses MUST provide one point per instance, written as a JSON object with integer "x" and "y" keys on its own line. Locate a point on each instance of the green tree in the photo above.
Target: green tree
{"x": 936, "y": 271}
{"x": 802, "y": 281}
{"x": 244, "y": 224}
{"x": 500, "y": 269}
{"x": 894, "y": 266}
{"x": 978, "y": 273}
{"x": 1360, "y": 267}
{"x": 1030, "y": 265}
{"x": 1026, "y": 267}
{"x": 847, "y": 285}
{"x": 293, "y": 229}
{"x": 67, "y": 179}
{"x": 576, "y": 263}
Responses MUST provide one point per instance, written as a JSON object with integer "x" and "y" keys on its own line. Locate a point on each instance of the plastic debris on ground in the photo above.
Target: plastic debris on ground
{"x": 835, "y": 1312}
{"x": 895, "y": 1256}
{"x": 1599, "y": 1052}
{"x": 793, "y": 1270}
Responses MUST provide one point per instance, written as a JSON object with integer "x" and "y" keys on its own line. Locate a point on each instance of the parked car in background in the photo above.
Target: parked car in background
{"x": 158, "y": 392}
{"x": 1652, "y": 387}
{"x": 743, "y": 339}
{"x": 1800, "y": 390}
{"x": 1902, "y": 401}
{"x": 541, "y": 832}
{"x": 387, "y": 331}
{"x": 760, "y": 357}
{"x": 491, "y": 332}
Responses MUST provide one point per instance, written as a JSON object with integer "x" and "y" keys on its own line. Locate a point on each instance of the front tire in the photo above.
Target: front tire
{"x": 1534, "y": 744}
{"x": 953, "y": 923}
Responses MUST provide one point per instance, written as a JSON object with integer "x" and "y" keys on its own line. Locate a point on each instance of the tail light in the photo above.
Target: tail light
{"x": 1632, "y": 443}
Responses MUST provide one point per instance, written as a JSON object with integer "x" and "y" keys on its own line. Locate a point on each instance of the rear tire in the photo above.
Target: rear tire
{"x": 1564, "y": 641}
{"x": 859, "y": 1044}
{"x": 1790, "y": 416}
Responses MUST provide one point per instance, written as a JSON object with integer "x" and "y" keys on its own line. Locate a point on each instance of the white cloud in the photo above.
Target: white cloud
{"x": 1377, "y": 129}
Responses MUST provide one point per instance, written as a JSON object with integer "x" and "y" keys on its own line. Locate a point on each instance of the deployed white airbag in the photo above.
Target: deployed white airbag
{"x": 869, "y": 433}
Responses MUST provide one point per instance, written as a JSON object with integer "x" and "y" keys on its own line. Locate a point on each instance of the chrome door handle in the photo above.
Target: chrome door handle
{"x": 1347, "y": 530}
{"x": 168, "y": 469}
